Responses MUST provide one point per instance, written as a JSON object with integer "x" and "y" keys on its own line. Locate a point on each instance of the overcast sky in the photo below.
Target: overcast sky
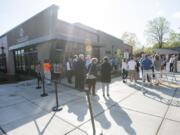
{"x": 112, "y": 16}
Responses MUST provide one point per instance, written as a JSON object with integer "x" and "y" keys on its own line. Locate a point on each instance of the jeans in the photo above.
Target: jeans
{"x": 171, "y": 67}
{"x": 47, "y": 77}
{"x": 124, "y": 74}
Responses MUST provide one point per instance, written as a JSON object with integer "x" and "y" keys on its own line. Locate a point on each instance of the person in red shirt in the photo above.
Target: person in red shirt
{"x": 47, "y": 71}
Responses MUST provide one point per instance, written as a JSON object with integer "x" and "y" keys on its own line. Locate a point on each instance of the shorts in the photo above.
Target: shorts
{"x": 157, "y": 75}
{"x": 131, "y": 72}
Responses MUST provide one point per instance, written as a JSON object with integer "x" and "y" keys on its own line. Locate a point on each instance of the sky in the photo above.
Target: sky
{"x": 111, "y": 16}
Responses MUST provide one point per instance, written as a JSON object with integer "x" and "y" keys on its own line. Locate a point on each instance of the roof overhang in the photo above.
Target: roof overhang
{"x": 166, "y": 51}
{"x": 32, "y": 42}
{"x": 74, "y": 39}
{"x": 48, "y": 38}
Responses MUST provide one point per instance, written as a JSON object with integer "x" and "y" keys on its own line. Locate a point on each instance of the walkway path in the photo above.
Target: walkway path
{"x": 126, "y": 111}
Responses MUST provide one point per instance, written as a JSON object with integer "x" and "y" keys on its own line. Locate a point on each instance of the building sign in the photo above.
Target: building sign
{"x": 22, "y": 36}
{"x": 40, "y": 25}
{"x": 21, "y": 32}
{"x": 88, "y": 46}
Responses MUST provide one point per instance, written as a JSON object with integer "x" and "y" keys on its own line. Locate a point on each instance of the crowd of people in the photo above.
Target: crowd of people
{"x": 86, "y": 70}
{"x": 149, "y": 67}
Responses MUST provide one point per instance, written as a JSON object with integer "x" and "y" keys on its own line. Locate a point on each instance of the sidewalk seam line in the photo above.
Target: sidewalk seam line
{"x": 78, "y": 127}
{"x": 142, "y": 112}
{"x": 3, "y": 131}
{"x": 172, "y": 120}
{"x": 12, "y": 105}
{"x": 56, "y": 115}
{"x": 164, "y": 117}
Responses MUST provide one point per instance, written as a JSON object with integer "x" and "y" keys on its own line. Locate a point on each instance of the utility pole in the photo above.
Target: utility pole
{"x": 112, "y": 51}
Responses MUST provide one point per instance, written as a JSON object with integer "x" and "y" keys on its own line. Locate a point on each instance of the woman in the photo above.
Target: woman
{"x": 91, "y": 76}
{"x": 69, "y": 70}
{"x": 132, "y": 69}
{"x": 106, "y": 75}
{"x": 124, "y": 70}
{"x": 157, "y": 69}
{"x": 80, "y": 72}
{"x": 47, "y": 71}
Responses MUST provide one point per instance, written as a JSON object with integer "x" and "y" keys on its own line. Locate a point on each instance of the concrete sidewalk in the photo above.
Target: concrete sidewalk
{"x": 126, "y": 111}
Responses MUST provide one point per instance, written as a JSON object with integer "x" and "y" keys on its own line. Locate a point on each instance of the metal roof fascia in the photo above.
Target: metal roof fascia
{"x": 32, "y": 42}
{"x": 71, "y": 39}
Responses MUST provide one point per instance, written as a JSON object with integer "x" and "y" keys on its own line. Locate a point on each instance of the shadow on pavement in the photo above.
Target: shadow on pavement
{"x": 123, "y": 119}
{"x": 98, "y": 86}
{"x": 157, "y": 97}
{"x": 78, "y": 108}
{"x": 104, "y": 122}
{"x": 15, "y": 124}
{"x": 161, "y": 88}
{"x": 30, "y": 110}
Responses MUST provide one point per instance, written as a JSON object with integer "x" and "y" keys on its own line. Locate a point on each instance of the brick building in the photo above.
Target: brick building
{"x": 44, "y": 36}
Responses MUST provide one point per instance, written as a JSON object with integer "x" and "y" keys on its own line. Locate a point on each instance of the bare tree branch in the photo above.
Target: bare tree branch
{"x": 157, "y": 30}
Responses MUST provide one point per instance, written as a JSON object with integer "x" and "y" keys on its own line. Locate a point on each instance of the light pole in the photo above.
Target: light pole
{"x": 112, "y": 51}
{"x": 3, "y": 55}
{"x": 2, "y": 49}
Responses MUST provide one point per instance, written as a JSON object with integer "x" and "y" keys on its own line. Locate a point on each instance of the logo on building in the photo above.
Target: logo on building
{"x": 88, "y": 45}
{"x": 22, "y": 36}
{"x": 21, "y": 32}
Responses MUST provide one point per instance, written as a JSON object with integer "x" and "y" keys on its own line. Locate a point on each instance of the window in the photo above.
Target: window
{"x": 25, "y": 60}
{"x": 108, "y": 52}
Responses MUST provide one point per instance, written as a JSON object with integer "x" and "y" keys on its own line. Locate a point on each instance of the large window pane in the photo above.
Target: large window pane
{"x": 25, "y": 60}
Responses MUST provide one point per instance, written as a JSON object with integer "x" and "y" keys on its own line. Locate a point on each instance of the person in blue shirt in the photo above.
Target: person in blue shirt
{"x": 146, "y": 65}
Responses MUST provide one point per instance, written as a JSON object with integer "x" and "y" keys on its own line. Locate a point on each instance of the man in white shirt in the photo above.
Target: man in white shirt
{"x": 171, "y": 61}
{"x": 132, "y": 68}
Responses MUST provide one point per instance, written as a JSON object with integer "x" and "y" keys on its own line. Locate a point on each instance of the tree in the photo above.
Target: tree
{"x": 157, "y": 29}
{"x": 138, "y": 52}
{"x": 173, "y": 40}
{"x": 173, "y": 37}
{"x": 130, "y": 39}
{"x": 149, "y": 50}
{"x": 119, "y": 54}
